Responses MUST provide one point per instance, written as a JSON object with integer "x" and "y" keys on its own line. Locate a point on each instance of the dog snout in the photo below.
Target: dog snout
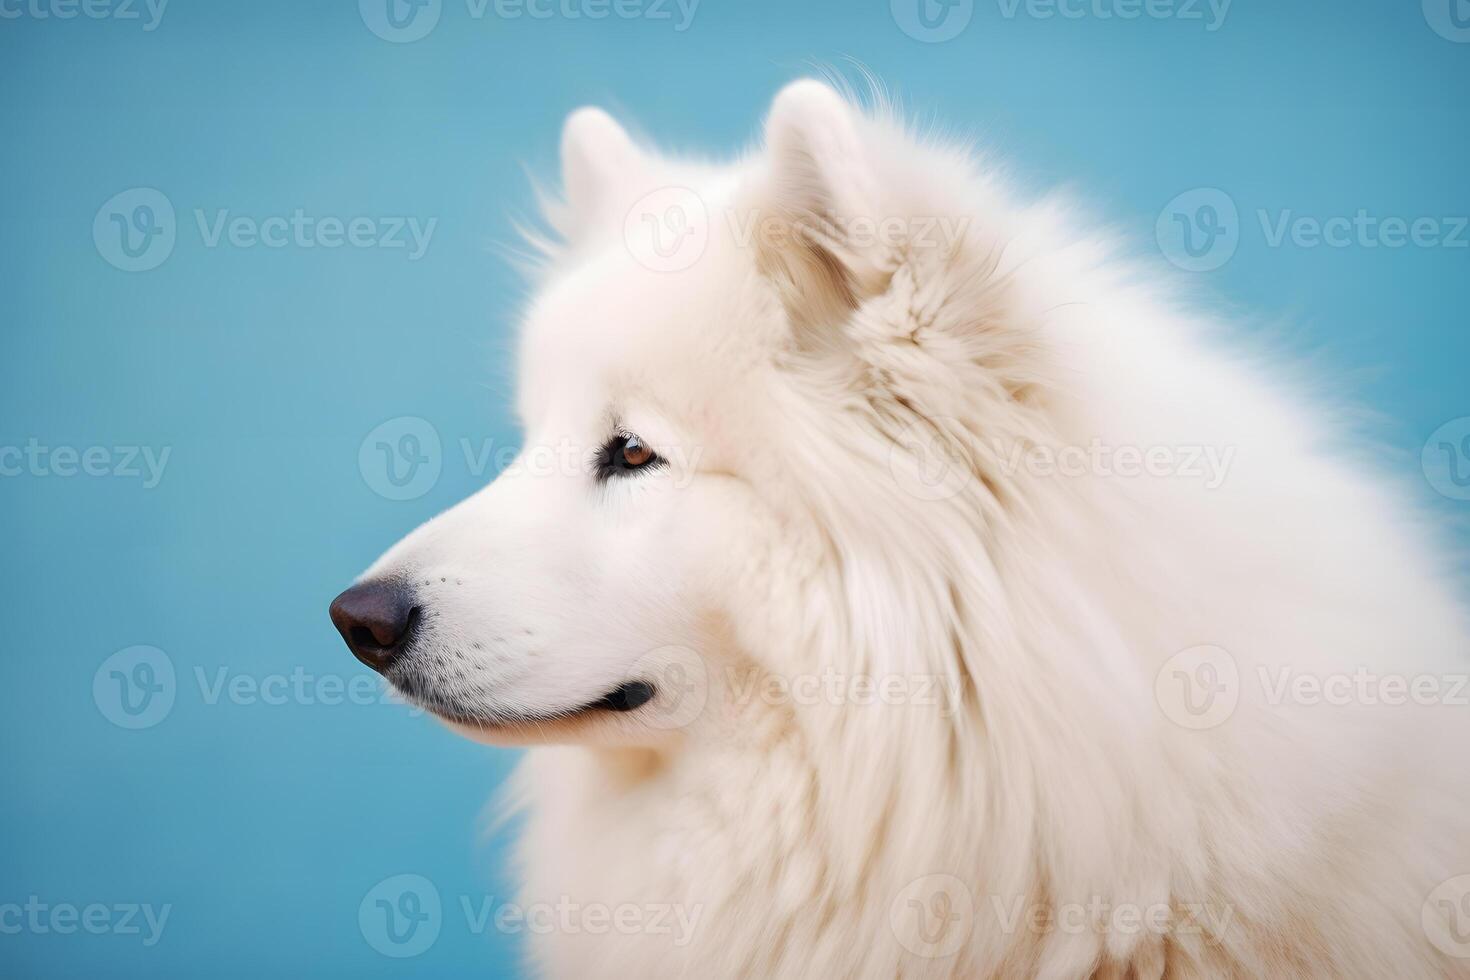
{"x": 376, "y": 619}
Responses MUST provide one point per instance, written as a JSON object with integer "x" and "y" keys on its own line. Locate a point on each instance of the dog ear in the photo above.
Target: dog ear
{"x": 597, "y": 156}
{"x": 819, "y": 182}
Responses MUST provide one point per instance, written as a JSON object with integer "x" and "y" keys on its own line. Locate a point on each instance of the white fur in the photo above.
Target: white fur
{"x": 799, "y": 391}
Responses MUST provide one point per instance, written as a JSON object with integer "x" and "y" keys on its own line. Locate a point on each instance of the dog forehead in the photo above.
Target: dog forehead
{"x": 613, "y": 327}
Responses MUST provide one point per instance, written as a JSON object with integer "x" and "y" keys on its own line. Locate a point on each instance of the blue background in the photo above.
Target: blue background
{"x": 265, "y": 825}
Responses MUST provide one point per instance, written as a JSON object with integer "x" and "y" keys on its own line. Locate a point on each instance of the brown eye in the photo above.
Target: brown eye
{"x": 635, "y": 454}
{"x": 624, "y": 455}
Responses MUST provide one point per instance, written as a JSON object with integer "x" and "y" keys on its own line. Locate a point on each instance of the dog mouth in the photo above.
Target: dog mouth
{"x": 624, "y": 698}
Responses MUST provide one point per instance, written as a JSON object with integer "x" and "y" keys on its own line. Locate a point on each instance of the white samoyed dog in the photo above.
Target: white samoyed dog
{"x": 895, "y": 584}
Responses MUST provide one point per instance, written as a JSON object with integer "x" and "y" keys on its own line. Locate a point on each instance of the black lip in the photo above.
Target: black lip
{"x": 624, "y": 698}
{"x": 634, "y": 694}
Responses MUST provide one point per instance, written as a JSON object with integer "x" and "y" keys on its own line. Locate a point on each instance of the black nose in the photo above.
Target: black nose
{"x": 377, "y": 620}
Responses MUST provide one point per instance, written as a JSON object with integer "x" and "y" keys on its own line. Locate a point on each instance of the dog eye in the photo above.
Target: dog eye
{"x": 624, "y": 454}
{"x": 635, "y": 454}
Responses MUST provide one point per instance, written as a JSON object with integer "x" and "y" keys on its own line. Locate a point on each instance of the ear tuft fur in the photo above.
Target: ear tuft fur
{"x": 819, "y": 180}
{"x": 597, "y": 155}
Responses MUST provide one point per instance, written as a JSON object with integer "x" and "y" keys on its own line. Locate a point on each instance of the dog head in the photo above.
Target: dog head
{"x": 731, "y": 382}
